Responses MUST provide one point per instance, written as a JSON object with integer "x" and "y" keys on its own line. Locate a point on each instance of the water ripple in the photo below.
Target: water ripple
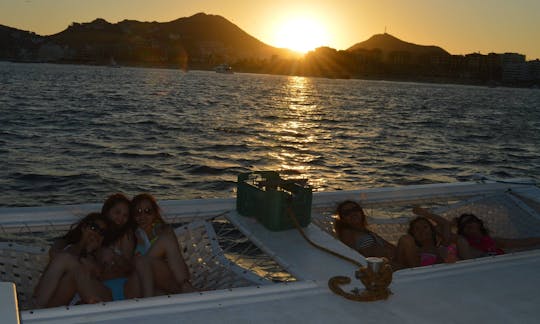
{"x": 74, "y": 134}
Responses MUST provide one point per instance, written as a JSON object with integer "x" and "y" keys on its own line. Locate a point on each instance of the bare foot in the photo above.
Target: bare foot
{"x": 93, "y": 300}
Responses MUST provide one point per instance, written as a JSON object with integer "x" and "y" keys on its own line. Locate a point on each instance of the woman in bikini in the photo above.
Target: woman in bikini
{"x": 474, "y": 240}
{"x": 115, "y": 257}
{"x": 426, "y": 243}
{"x": 65, "y": 274}
{"x": 351, "y": 228}
{"x": 159, "y": 262}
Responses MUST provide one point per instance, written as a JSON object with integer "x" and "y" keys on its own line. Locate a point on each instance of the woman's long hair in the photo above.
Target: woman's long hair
{"x": 466, "y": 219}
{"x": 115, "y": 232}
{"x": 74, "y": 235}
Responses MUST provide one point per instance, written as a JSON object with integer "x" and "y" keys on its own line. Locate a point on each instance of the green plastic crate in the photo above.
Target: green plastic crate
{"x": 264, "y": 195}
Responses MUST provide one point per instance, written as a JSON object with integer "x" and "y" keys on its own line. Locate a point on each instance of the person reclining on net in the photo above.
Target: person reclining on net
{"x": 474, "y": 240}
{"x": 428, "y": 241}
{"x": 350, "y": 226}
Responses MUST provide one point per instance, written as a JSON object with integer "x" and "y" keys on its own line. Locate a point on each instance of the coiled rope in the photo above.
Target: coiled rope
{"x": 376, "y": 283}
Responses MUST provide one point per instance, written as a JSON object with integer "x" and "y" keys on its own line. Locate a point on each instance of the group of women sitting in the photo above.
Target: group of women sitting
{"x": 429, "y": 238}
{"x": 126, "y": 251}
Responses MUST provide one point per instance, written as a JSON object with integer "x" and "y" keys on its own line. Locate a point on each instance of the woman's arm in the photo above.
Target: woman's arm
{"x": 407, "y": 254}
{"x": 443, "y": 226}
{"x": 517, "y": 243}
{"x": 465, "y": 251}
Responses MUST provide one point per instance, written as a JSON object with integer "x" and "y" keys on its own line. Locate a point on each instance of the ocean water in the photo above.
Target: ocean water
{"x": 74, "y": 134}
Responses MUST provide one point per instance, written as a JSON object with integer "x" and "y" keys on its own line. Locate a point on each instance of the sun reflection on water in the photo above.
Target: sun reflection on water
{"x": 296, "y": 132}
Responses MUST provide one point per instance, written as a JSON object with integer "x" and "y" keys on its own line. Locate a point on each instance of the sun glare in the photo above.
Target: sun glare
{"x": 301, "y": 35}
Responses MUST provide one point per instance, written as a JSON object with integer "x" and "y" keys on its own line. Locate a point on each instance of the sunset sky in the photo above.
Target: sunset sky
{"x": 458, "y": 26}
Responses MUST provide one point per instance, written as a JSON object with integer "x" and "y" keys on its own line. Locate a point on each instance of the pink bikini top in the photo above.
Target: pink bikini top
{"x": 428, "y": 259}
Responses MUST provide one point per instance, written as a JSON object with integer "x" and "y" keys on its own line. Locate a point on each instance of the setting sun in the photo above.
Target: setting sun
{"x": 301, "y": 35}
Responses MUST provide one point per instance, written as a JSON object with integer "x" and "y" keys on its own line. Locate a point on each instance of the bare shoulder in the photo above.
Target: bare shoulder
{"x": 65, "y": 257}
{"x": 407, "y": 238}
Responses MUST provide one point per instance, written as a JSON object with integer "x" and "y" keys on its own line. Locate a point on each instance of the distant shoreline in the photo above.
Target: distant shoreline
{"x": 427, "y": 80}
{"x": 202, "y": 42}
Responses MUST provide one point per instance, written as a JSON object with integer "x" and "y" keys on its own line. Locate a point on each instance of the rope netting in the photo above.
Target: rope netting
{"x": 506, "y": 215}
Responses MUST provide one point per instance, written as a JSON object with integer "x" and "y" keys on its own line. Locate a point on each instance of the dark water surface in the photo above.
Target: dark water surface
{"x": 74, "y": 134}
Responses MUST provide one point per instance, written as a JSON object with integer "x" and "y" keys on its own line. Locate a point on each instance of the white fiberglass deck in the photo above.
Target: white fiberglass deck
{"x": 501, "y": 289}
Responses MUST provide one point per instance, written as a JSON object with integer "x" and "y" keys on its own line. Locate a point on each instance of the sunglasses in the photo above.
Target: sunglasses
{"x": 95, "y": 227}
{"x": 147, "y": 211}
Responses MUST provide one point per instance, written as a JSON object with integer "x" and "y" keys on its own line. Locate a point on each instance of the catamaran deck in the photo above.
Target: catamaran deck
{"x": 502, "y": 289}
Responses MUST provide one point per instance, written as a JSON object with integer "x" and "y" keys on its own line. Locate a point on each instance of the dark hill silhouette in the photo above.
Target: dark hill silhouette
{"x": 16, "y": 43}
{"x": 213, "y": 28}
{"x": 200, "y": 40}
{"x": 388, "y": 43}
{"x": 204, "y": 41}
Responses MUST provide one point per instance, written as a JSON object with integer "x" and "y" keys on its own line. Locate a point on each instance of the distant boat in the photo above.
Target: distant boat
{"x": 224, "y": 68}
{"x": 112, "y": 63}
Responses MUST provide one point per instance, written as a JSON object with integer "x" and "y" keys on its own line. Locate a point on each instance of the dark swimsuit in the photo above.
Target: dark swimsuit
{"x": 367, "y": 240}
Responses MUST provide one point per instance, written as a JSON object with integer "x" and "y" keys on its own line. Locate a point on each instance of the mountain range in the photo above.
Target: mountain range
{"x": 199, "y": 40}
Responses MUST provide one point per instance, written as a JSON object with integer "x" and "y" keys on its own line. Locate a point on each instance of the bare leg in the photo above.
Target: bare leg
{"x": 407, "y": 252}
{"x": 52, "y": 277}
{"x": 155, "y": 277}
{"x": 64, "y": 292}
{"x": 143, "y": 268}
{"x": 132, "y": 288}
{"x": 167, "y": 247}
{"x": 163, "y": 269}
{"x": 164, "y": 281}
{"x": 465, "y": 251}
